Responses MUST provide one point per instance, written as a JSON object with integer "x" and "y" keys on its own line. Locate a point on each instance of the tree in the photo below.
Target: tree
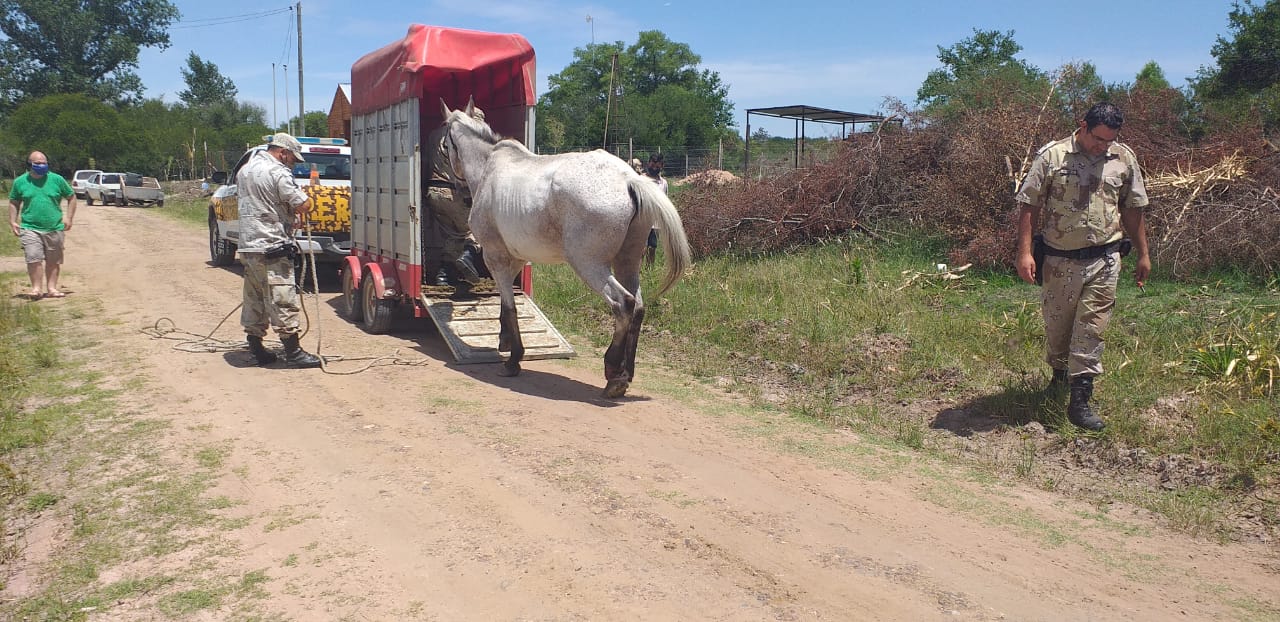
{"x": 664, "y": 98}
{"x": 317, "y": 124}
{"x": 206, "y": 85}
{"x": 1245, "y": 85}
{"x": 1151, "y": 77}
{"x": 73, "y": 130}
{"x": 974, "y": 70}
{"x": 1250, "y": 61}
{"x": 78, "y": 46}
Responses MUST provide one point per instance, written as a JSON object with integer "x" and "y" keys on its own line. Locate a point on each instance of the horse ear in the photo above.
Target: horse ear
{"x": 444, "y": 108}
{"x": 471, "y": 105}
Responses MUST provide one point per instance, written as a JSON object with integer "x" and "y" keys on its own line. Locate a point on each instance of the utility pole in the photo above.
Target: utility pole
{"x": 275, "y": 112}
{"x": 286, "y": 100}
{"x": 302, "y": 118}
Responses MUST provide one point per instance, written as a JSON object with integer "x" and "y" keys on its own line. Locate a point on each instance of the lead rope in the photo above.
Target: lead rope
{"x": 394, "y": 358}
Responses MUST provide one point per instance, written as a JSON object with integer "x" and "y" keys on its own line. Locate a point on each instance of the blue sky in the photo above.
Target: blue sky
{"x": 841, "y": 54}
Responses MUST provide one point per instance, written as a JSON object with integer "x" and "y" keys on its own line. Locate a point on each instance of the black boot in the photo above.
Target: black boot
{"x": 295, "y": 356}
{"x": 462, "y": 292}
{"x": 259, "y": 351}
{"x": 1078, "y": 410}
{"x": 471, "y": 264}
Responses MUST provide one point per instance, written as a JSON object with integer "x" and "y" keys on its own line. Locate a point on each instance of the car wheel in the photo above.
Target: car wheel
{"x": 221, "y": 252}
{"x": 377, "y": 312}
{"x": 353, "y": 305}
{"x": 88, "y": 199}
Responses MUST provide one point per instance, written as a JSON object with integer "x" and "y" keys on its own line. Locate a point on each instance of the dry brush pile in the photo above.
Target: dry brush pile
{"x": 1213, "y": 204}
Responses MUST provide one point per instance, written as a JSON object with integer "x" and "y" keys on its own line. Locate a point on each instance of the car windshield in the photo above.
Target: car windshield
{"x": 328, "y": 165}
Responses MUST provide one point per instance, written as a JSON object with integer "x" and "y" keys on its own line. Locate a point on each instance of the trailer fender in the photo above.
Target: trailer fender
{"x": 351, "y": 265}
{"x": 385, "y": 283}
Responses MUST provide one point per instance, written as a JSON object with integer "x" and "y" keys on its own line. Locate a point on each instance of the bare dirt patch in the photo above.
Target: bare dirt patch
{"x": 445, "y": 492}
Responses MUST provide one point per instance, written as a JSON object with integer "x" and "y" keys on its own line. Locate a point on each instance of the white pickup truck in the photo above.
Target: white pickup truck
{"x": 123, "y": 189}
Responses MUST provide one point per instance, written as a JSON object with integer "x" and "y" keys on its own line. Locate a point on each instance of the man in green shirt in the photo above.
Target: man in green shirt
{"x": 37, "y": 217}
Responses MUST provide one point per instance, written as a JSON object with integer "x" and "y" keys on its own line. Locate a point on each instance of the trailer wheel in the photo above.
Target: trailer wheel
{"x": 221, "y": 252}
{"x": 377, "y": 312}
{"x": 353, "y": 304}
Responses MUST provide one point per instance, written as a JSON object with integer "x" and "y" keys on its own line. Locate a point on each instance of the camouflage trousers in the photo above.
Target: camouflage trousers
{"x": 1077, "y": 300}
{"x": 270, "y": 297}
{"x": 453, "y": 215}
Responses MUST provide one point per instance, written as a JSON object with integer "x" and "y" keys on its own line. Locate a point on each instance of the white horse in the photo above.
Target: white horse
{"x": 589, "y": 210}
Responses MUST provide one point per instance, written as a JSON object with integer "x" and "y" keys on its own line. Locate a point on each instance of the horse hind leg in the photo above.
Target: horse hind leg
{"x": 633, "y": 341}
{"x": 509, "y": 339}
{"x": 619, "y": 358}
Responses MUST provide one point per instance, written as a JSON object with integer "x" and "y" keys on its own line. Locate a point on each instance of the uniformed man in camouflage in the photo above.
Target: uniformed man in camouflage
{"x": 269, "y": 201}
{"x": 1088, "y": 193}
{"x": 450, "y": 204}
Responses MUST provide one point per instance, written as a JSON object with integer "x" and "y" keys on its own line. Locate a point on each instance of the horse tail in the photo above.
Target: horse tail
{"x": 653, "y": 205}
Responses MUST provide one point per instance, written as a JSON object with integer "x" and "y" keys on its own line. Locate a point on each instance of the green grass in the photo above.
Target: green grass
{"x": 185, "y": 208}
{"x": 115, "y": 491}
{"x": 856, "y": 333}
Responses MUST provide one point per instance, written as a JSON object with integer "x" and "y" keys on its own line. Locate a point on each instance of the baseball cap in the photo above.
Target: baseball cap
{"x": 283, "y": 139}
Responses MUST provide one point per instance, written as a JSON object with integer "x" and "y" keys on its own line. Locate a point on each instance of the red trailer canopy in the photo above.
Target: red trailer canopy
{"x": 433, "y": 62}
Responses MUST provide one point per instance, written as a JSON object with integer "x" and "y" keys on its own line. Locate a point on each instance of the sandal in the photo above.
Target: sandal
{"x": 34, "y": 295}
{"x": 56, "y": 294}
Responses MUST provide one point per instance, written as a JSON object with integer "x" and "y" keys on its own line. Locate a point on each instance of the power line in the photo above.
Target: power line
{"x": 222, "y": 21}
{"x": 288, "y": 36}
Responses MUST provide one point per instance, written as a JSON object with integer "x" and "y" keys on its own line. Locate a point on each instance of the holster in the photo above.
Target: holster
{"x": 283, "y": 249}
{"x": 1037, "y": 253}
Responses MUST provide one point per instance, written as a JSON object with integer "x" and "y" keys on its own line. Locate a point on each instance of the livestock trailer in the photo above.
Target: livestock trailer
{"x": 396, "y": 94}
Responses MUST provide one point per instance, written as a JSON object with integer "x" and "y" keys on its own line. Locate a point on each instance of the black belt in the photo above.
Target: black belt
{"x": 1090, "y": 252}
{"x": 435, "y": 183}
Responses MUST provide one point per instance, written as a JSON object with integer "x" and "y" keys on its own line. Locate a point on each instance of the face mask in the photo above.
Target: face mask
{"x": 40, "y": 169}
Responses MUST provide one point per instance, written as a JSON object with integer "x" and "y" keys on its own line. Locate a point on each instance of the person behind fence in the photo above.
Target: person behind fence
{"x": 1088, "y": 193}
{"x": 450, "y": 203}
{"x": 653, "y": 169}
{"x": 37, "y": 217}
{"x": 270, "y": 199}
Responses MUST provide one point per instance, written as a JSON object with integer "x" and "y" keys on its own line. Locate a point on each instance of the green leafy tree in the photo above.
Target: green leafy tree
{"x": 78, "y": 46}
{"x": 206, "y": 85}
{"x": 976, "y": 72}
{"x": 317, "y": 124}
{"x": 73, "y": 130}
{"x": 1151, "y": 77}
{"x": 1245, "y": 84}
{"x": 661, "y": 97}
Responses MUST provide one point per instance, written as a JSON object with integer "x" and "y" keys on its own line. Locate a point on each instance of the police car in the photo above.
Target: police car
{"x": 325, "y": 176}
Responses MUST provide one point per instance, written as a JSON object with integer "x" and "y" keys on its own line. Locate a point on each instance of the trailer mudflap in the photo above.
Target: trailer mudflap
{"x": 470, "y": 328}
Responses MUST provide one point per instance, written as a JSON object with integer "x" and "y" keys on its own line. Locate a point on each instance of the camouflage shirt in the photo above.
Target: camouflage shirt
{"x": 1080, "y": 196}
{"x": 268, "y": 196}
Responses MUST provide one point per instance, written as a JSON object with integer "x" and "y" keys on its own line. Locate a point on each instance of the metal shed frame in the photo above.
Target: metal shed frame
{"x": 803, "y": 114}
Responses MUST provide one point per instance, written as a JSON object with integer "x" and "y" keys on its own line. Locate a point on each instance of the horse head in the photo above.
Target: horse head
{"x": 468, "y": 139}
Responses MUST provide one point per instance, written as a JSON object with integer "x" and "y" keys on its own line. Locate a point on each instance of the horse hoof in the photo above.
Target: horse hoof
{"x": 616, "y": 388}
{"x": 508, "y": 371}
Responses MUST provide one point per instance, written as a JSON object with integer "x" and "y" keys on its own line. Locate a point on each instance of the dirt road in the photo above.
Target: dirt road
{"x": 444, "y": 492}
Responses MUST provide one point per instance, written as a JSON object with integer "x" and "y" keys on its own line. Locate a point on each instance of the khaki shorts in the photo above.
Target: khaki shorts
{"x": 38, "y": 246}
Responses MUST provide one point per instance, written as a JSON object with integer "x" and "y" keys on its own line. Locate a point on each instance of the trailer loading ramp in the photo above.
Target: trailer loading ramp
{"x": 470, "y": 328}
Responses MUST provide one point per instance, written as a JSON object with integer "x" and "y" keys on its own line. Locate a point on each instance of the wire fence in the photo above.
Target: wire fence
{"x": 769, "y": 160}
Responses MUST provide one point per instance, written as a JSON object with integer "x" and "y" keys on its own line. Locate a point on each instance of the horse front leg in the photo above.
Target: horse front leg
{"x": 504, "y": 273}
